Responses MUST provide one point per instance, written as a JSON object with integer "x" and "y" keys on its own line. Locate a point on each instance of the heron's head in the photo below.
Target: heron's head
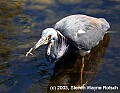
{"x": 57, "y": 45}
{"x": 47, "y": 35}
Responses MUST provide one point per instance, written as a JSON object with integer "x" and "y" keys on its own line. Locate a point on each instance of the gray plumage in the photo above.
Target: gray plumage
{"x": 95, "y": 29}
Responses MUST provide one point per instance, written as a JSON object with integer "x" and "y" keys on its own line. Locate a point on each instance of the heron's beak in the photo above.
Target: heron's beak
{"x": 42, "y": 41}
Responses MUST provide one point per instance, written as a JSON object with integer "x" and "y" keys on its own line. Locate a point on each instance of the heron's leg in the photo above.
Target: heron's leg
{"x": 82, "y": 68}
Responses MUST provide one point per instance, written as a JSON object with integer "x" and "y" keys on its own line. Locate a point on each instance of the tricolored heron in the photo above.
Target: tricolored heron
{"x": 81, "y": 31}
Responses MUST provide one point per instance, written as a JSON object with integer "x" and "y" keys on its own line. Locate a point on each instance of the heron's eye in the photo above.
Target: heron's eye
{"x": 49, "y": 37}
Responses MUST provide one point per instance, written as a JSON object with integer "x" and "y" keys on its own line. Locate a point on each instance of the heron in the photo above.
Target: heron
{"x": 82, "y": 31}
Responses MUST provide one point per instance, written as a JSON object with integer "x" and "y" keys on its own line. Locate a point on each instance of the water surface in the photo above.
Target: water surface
{"x": 21, "y": 23}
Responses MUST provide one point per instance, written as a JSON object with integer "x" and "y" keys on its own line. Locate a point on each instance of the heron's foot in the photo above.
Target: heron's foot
{"x": 83, "y": 86}
{"x": 29, "y": 52}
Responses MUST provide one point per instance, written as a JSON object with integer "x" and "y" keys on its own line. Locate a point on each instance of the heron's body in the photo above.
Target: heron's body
{"x": 84, "y": 32}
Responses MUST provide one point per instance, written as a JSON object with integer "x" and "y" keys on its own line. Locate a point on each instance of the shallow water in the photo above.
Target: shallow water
{"x": 21, "y": 23}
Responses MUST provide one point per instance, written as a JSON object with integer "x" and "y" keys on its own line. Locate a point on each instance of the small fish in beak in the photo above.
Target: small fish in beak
{"x": 29, "y": 52}
{"x": 42, "y": 41}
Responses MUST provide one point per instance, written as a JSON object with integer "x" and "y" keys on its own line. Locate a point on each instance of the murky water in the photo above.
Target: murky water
{"x": 21, "y": 23}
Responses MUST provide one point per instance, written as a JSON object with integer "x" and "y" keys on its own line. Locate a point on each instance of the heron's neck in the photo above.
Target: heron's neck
{"x": 60, "y": 45}
{"x": 61, "y": 40}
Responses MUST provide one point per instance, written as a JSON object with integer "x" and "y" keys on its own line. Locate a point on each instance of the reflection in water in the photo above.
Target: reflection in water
{"x": 67, "y": 70}
{"x": 7, "y": 12}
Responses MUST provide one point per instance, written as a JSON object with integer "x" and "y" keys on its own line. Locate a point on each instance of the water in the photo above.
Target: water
{"x": 21, "y": 23}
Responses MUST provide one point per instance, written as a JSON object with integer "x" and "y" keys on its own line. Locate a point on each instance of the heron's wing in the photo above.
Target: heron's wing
{"x": 94, "y": 32}
{"x": 94, "y": 29}
{"x": 90, "y": 39}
